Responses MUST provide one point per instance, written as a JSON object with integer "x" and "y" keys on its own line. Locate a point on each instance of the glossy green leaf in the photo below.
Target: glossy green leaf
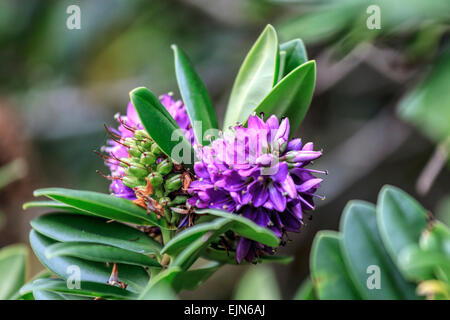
{"x": 306, "y": 291}
{"x": 367, "y": 259}
{"x": 195, "y": 97}
{"x": 291, "y": 96}
{"x": 258, "y": 283}
{"x": 191, "y": 279}
{"x": 66, "y": 227}
{"x": 102, "y": 205}
{"x": 54, "y": 205}
{"x": 100, "y": 253}
{"x": 49, "y": 295}
{"x": 328, "y": 270}
{"x": 255, "y": 78}
{"x": 187, "y": 236}
{"x": 246, "y": 228}
{"x": 160, "y": 286}
{"x": 295, "y": 55}
{"x": 230, "y": 257}
{"x": 135, "y": 277}
{"x": 13, "y": 261}
{"x": 195, "y": 249}
{"x": 87, "y": 289}
{"x": 161, "y": 127}
{"x": 400, "y": 218}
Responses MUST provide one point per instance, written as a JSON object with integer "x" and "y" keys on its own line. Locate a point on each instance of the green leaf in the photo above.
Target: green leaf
{"x": 189, "y": 235}
{"x": 102, "y": 205}
{"x": 100, "y": 253}
{"x": 255, "y": 78}
{"x": 54, "y": 205}
{"x": 160, "y": 286}
{"x": 436, "y": 238}
{"x": 191, "y": 279}
{"x": 160, "y": 125}
{"x": 230, "y": 257}
{"x": 135, "y": 277}
{"x": 291, "y": 96}
{"x": 427, "y": 106}
{"x": 65, "y": 227}
{"x": 306, "y": 291}
{"x": 295, "y": 55}
{"x": 195, "y": 97}
{"x": 12, "y": 171}
{"x": 13, "y": 261}
{"x": 400, "y": 218}
{"x": 364, "y": 253}
{"x": 87, "y": 289}
{"x": 419, "y": 265}
{"x": 187, "y": 257}
{"x": 49, "y": 295}
{"x": 328, "y": 270}
{"x": 246, "y": 228}
{"x": 258, "y": 283}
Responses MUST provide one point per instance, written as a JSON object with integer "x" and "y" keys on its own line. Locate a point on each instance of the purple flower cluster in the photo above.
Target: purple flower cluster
{"x": 259, "y": 173}
{"x": 127, "y": 124}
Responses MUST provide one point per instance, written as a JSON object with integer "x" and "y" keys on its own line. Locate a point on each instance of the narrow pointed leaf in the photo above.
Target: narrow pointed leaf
{"x": 161, "y": 127}
{"x": 255, "y": 78}
{"x": 13, "y": 261}
{"x": 87, "y": 289}
{"x": 229, "y": 257}
{"x": 328, "y": 270}
{"x": 195, "y": 97}
{"x": 246, "y": 228}
{"x": 102, "y": 205}
{"x": 192, "y": 279}
{"x": 359, "y": 222}
{"x": 100, "y": 253}
{"x": 292, "y": 96}
{"x": 66, "y": 227}
{"x": 401, "y": 220}
{"x": 135, "y": 277}
{"x": 54, "y": 205}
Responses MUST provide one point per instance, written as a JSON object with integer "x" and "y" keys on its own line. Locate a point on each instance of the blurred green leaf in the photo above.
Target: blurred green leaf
{"x": 12, "y": 171}
{"x": 102, "y": 205}
{"x": 245, "y": 227}
{"x": 67, "y": 227}
{"x": 306, "y": 291}
{"x": 191, "y": 279}
{"x": 195, "y": 97}
{"x": 428, "y": 105}
{"x": 401, "y": 220}
{"x": 292, "y": 96}
{"x": 258, "y": 283}
{"x": 135, "y": 277}
{"x": 436, "y": 238}
{"x": 255, "y": 79}
{"x": 328, "y": 270}
{"x": 160, "y": 286}
{"x": 160, "y": 125}
{"x": 100, "y": 253}
{"x": 13, "y": 261}
{"x": 229, "y": 257}
{"x": 362, "y": 247}
{"x": 295, "y": 55}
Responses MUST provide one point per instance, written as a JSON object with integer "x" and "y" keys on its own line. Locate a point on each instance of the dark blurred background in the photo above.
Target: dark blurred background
{"x": 381, "y": 111}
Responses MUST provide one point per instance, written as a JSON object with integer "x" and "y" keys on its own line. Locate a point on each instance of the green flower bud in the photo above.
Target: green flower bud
{"x": 178, "y": 200}
{"x": 134, "y": 151}
{"x": 156, "y": 179}
{"x": 173, "y": 183}
{"x": 164, "y": 167}
{"x": 137, "y": 171}
{"x": 141, "y": 134}
{"x": 156, "y": 150}
{"x": 132, "y": 182}
{"x": 148, "y": 158}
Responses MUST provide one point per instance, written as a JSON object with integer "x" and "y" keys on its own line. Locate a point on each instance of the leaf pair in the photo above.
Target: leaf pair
{"x": 256, "y": 89}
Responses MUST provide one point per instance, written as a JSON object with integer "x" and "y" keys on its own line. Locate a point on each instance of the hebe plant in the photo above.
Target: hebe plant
{"x": 136, "y": 243}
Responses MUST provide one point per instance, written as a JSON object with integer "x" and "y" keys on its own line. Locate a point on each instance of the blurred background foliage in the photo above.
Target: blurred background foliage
{"x": 381, "y": 110}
